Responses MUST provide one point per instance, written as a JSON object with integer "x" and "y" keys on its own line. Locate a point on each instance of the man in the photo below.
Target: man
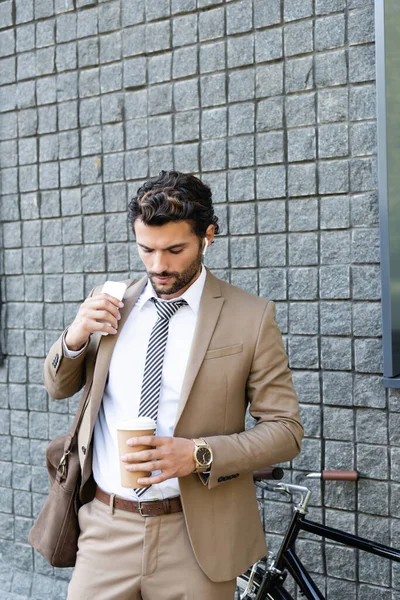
{"x": 220, "y": 351}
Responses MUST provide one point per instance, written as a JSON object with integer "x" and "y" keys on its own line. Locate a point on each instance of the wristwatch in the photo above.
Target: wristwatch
{"x": 202, "y": 455}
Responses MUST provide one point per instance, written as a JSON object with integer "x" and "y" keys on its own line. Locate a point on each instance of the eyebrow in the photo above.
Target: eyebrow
{"x": 182, "y": 245}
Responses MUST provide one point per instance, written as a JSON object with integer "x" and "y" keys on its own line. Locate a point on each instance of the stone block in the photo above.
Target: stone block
{"x": 267, "y": 14}
{"x": 297, "y": 9}
{"x": 242, "y": 219}
{"x": 243, "y": 252}
{"x": 271, "y": 182}
{"x": 341, "y": 561}
{"x": 272, "y": 250}
{"x": 184, "y": 30}
{"x": 270, "y": 147}
{"x": 135, "y": 72}
{"x": 309, "y": 460}
{"x": 303, "y": 352}
{"x": 158, "y": 36}
{"x": 239, "y": 17}
{"x": 368, "y": 355}
{"x": 186, "y": 94}
{"x": 361, "y": 25}
{"x": 363, "y": 102}
{"x": 373, "y": 497}
{"x": 302, "y": 180}
{"x": 186, "y": 158}
{"x": 212, "y": 57}
{"x": 303, "y": 318}
{"x": 240, "y": 185}
{"x": 25, "y": 37}
{"x": 211, "y": 24}
{"x": 273, "y": 283}
{"x": 303, "y": 214}
{"x": 307, "y": 386}
{"x": 330, "y": 68}
{"x": 299, "y": 74}
{"x": 363, "y": 174}
{"x": 335, "y": 212}
{"x": 339, "y": 455}
{"x": 185, "y": 62}
{"x": 111, "y": 78}
{"x": 271, "y": 216}
{"x": 136, "y": 134}
{"x": 332, "y": 105}
{"x": 335, "y": 247}
{"x": 303, "y": 249}
{"x": 87, "y": 22}
{"x": 73, "y": 263}
{"x": 303, "y": 283}
{"x": 133, "y": 12}
{"x": 338, "y": 388}
{"x": 23, "y": 11}
{"x": 364, "y": 210}
{"x": 180, "y": 6}
{"x": 241, "y": 151}
{"x": 136, "y": 164}
{"x": 298, "y": 38}
{"x": 240, "y": 85}
{"x": 333, "y": 176}
{"x": 335, "y": 282}
{"x": 336, "y": 354}
{"x": 333, "y": 141}
{"x": 109, "y": 16}
{"x": 159, "y": 67}
{"x": 240, "y": 51}
{"x": 269, "y": 45}
{"x": 365, "y": 245}
{"x": 213, "y": 155}
{"x": 330, "y": 32}
{"x": 157, "y": 10}
{"x": 70, "y": 173}
{"x": 335, "y": 318}
{"x": 363, "y": 139}
{"x": 366, "y": 282}
{"x": 12, "y": 235}
{"x": 269, "y": 114}
{"x": 338, "y": 423}
{"x": 269, "y": 80}
{"x": 327, "y": 6}
{"x": 88, "y": 52}
{"x": 186, "y": 126}
{"x": 160, "y": 99}
{"x": 371, "y": 426}
{"x": 362, "y": 63}
{"x": 301, "y": 144}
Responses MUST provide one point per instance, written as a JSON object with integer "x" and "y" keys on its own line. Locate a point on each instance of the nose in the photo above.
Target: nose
{"x": 160, "y": 263}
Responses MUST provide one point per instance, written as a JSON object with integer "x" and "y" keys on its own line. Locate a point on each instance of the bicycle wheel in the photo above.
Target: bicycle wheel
{"x": 278, "y": 593}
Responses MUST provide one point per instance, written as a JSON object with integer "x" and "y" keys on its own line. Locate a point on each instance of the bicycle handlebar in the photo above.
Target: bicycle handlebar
{"x": 268, "y": 473}
{"x": 332, "y": 475}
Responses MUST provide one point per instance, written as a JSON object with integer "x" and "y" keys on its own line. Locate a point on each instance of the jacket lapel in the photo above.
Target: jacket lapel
{"x": 209, "y": 311}
{"x": 106, "y": 348}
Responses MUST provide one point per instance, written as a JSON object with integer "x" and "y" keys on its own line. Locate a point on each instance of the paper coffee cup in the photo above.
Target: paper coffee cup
{"x": 125, "y": 431}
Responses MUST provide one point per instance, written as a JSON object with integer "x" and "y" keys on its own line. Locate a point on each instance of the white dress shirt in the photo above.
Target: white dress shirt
{"x": 122, "y": 391}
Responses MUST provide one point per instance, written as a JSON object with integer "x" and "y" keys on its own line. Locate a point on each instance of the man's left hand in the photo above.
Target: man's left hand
{"x": 172, "y": 456}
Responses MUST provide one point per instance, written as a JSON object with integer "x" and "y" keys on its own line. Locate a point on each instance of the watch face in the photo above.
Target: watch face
{"x": 203, "y": 456}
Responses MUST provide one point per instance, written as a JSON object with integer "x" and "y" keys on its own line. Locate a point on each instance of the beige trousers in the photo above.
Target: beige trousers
{"x": 124, "y": 556}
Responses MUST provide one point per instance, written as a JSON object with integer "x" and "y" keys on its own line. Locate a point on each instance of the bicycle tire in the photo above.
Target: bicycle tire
{"x": 278, "y": 593}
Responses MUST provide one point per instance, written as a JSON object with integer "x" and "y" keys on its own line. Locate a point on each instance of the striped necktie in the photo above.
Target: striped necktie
{"x": 151, "y": 384}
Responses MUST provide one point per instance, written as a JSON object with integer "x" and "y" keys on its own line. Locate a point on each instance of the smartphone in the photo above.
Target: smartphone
{"x": 115, "y": 289}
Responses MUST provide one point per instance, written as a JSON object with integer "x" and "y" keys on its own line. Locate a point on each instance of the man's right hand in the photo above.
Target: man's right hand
{"x": 88, "y": 319}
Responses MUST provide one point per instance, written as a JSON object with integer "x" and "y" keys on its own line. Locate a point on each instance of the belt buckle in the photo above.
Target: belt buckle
{"x": 140, "y": 509}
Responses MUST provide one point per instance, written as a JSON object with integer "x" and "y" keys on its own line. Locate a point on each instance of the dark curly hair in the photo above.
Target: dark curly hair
{"x": 174, "y": 196}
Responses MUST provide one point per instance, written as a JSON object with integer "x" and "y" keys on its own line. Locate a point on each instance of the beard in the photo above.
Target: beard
{"x": 180, "y": 280}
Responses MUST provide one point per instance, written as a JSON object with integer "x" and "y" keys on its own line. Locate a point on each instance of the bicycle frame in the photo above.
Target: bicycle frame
{"x": 287, "y": 559}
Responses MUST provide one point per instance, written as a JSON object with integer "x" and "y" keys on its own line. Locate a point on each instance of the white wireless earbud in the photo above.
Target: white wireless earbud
{"x": 205, "y": 247}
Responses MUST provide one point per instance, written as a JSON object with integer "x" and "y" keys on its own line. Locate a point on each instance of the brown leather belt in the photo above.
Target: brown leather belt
{"x": 147, "y": 508}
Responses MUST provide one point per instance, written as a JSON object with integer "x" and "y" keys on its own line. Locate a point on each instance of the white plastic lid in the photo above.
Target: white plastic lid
{"x": 141, "y": 423}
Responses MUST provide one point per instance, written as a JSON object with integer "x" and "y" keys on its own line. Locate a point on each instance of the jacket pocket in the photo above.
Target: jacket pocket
{"x": 225, "y": 351}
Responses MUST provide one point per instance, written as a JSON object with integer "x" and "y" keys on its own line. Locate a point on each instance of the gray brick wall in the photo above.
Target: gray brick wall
{"x": 272, "y": 102}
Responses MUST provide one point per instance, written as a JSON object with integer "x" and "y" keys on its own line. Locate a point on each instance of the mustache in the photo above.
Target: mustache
{"x": 163, "y": 274}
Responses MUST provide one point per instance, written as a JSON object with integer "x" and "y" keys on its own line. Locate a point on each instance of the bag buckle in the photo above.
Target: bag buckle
{"x": 62, "y": 465}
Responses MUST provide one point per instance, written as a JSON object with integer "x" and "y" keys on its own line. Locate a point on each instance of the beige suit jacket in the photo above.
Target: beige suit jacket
{"x": 237, "y": 358}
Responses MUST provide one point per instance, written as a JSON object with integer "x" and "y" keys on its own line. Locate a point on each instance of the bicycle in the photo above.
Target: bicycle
{"x": 265, "y": 579}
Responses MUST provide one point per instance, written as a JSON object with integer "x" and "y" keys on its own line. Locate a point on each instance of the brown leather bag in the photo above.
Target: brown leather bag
{"x": 56, "y": 530}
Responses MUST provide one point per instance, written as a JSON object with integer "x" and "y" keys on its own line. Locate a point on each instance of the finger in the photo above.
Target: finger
{"x": 103, "y": 315}
{"x": 143, "y": 440}
{"x": 113, "y": 300}
{"x": 153, "y": 465}
{"x": 152, "y": 480}
{"x": 142, "y": 456}
{"x": 147, "y": 440}
{"x": 101, "y": 302}
{"x": 97, "y": 326}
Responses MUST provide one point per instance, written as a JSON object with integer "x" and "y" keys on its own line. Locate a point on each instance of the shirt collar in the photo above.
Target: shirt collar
{"x": 192, "y": 294}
